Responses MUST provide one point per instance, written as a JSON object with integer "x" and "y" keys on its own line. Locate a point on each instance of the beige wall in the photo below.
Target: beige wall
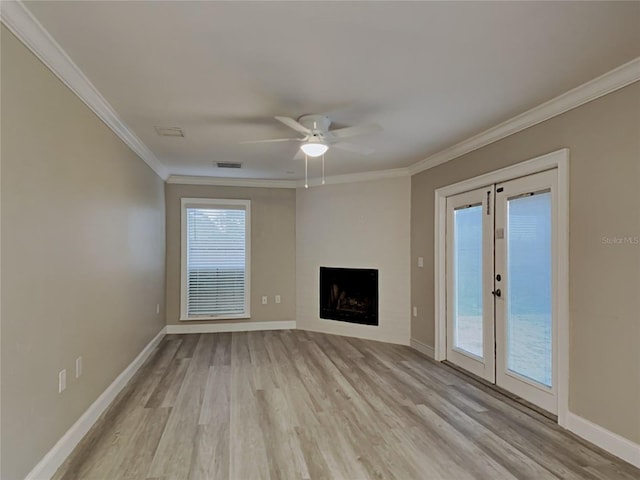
{"x": 82, "y": 257}
{"x": 604, "y": 139}
{"x": 357, "y": 225}
{"x": 273, "y": 248}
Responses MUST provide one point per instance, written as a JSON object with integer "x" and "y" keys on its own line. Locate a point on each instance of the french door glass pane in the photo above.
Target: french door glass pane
{"x": 467, "y": 313}
{"x": 529, "y": 301}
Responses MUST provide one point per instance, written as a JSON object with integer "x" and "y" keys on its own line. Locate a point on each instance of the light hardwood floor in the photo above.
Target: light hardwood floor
{"x": 302, "y": 405}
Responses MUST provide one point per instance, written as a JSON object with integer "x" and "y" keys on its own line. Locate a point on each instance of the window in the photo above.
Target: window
{"x": 216, "y": 237}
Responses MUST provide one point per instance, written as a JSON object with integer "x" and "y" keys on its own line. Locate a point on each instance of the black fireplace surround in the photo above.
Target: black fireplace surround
{"x": 349, "y": 295}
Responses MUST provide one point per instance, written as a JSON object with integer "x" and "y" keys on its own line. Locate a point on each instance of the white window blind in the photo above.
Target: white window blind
{"x": 215, "y": 258}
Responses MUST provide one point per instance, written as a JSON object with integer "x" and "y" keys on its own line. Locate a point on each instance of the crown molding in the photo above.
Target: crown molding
{"x": 19, "y": 20}
{"x": 262, "y": 183}
{"x": 231, "y": 182}
{"x": 611, "y": 81}
{"x": 357, "y": 177}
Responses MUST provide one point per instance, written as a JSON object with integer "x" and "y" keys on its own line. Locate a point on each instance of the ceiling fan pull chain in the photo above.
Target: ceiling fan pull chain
{"x": 323, "y": 169}
{"x": 306, "y": 181}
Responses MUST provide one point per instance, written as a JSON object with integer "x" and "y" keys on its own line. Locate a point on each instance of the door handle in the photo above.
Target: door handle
{"x": 497, "y": 293}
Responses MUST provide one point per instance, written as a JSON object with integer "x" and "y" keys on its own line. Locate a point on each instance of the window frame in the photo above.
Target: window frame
{"x": 220, "y": 203}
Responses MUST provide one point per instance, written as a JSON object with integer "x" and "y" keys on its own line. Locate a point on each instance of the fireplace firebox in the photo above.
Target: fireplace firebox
{"x": 349, "y": 295}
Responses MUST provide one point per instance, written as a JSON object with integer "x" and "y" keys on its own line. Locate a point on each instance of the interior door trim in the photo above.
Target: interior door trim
{"x": 558, "y": 161}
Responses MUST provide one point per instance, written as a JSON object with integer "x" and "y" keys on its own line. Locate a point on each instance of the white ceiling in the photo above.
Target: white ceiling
{"x": 431, "y": 74}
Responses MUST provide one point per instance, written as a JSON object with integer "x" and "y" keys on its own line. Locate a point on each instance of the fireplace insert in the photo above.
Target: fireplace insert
{"x": 349, "y": 295}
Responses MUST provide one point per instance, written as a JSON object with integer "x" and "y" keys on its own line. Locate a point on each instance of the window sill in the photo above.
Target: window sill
{"x": 243, "y": 316}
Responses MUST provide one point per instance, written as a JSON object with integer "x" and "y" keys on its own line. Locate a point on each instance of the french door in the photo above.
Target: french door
{"x": 501, "y": 285}
{"x": 470, "y": 305}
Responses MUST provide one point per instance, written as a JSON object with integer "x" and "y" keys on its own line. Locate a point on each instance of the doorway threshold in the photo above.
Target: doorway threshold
{"x": 529, "y": 408}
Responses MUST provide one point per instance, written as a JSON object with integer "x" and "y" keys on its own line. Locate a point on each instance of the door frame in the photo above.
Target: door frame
{"x": 558, "y": 160}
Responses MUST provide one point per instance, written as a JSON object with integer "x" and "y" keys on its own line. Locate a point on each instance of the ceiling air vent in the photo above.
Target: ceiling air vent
{"x": 169, "y": 131}
{"x": 228, "y": 165}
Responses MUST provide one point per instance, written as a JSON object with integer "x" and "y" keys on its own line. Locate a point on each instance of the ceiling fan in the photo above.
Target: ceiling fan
{"x": 318, "y": 138}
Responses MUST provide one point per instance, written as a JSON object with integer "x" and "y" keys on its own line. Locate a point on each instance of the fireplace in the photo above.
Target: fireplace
{"x": 349, "y": 295}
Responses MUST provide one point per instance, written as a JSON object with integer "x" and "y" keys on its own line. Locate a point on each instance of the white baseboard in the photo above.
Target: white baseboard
{"x": 364, "y": 332}
{"x": 605, "y": 439}
{"x": 422, "y": 347}
{"x": 231, "y": 327}
{"x": 46, "y": 468}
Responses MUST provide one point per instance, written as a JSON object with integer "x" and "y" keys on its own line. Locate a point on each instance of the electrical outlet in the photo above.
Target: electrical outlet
{"x": 415, "y": 311}
{"x": 157, "y": 308}
{"x": 264, "y": 299}
{"x": 278, "y": 299}
{"x": 78, "y": 367}
{"x": 420, "y": 262}
{"x": 62, "y": 380}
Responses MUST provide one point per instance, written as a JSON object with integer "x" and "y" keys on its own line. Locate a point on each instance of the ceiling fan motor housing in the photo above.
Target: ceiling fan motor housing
{"x": 315, "y": 122}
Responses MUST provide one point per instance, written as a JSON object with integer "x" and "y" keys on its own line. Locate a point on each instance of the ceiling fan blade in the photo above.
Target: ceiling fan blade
{"x": 291, "y": 123}
{"x": 355, "y": 130}
{"x": 273, "y": 140}
{"x": 350, "y": 147}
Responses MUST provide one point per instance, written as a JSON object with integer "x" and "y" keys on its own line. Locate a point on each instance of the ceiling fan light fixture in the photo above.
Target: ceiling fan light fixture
{"x": 314, "y": 149}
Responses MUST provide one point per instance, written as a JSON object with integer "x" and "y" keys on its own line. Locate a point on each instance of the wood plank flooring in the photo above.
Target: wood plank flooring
{"x": 300, "y": 405}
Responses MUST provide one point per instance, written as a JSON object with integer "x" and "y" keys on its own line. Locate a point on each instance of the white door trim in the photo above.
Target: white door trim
{"x": 555, "y": 160}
